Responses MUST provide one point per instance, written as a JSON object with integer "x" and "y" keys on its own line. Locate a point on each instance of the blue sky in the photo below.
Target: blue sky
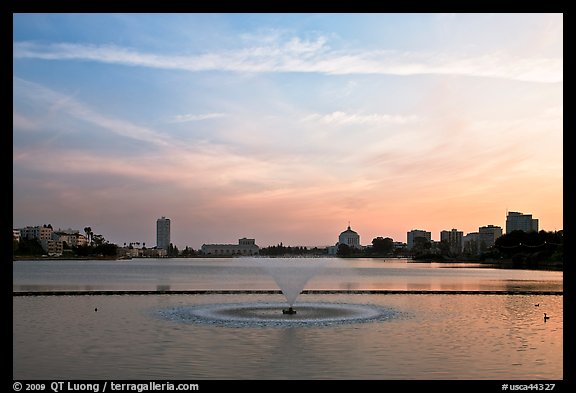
{"x": 284, "y": 127}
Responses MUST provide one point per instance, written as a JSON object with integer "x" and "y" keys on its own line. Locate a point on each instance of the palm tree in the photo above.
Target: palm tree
{"x": 88, "y": 232}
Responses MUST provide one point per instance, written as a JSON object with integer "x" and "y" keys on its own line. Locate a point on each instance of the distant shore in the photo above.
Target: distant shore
{"x": 277, "y": 291}
{"x": 49, "y": 258}
{"x": 499, "y": 263}
{"x": 541, "y": 265}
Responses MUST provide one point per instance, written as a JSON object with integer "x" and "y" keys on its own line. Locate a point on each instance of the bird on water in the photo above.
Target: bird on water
{"x": 546, "y": 317}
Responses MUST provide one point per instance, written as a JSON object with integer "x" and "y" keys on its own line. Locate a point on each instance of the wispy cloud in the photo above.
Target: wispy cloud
{"x": 309, "y": 56}
{"x": 196, "y": 117}
{"x": 21, "y": 122}
{"x": 72, "y": 107}
{"x": 170, "y": 160}
{"x": 374, "y": 119}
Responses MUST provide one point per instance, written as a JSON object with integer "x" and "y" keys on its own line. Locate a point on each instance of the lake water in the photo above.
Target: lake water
{"x": 423, "y": 336}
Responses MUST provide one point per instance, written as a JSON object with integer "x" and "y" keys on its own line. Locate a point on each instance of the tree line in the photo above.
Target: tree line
{"x": 280, "y": 249}
{"x": 529, "y": 248}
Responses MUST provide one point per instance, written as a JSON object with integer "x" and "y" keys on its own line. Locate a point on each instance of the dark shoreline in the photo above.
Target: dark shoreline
{"x": 276, "y": 291}
{"x": 498, "y": 264}
{"x": 46, "y": 258}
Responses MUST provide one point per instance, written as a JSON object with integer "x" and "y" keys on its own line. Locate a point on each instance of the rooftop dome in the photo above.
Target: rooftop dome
{"x": 348, "y": 231}
{"x": 350, "y": 238}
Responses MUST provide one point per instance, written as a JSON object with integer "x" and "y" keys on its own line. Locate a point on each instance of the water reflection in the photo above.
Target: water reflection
{"x": 435, "y": 337}
{"x": 246, "y": 273}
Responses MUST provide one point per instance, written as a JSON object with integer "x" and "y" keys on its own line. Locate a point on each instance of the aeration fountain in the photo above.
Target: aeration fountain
{"x": 291, "y": 276}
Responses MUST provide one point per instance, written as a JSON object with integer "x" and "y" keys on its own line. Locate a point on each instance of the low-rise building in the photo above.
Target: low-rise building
{"x": 43, "y": 232}
{"x": 244, "y": 247}
{"x": 141, "y": 252}
{"x": 72, "y": 237}
{"x": 52, "y": 247}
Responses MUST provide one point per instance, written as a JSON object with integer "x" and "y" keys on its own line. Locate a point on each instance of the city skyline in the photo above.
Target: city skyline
{"x": 285, "y": 127}
{"x": 198, "y": 242}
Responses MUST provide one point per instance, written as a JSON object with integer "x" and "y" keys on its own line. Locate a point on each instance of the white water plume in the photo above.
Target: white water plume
{"x": 292, "y": 274}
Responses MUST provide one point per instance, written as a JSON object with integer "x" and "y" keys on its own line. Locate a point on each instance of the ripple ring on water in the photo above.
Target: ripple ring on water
{"x": 270, "y": 314}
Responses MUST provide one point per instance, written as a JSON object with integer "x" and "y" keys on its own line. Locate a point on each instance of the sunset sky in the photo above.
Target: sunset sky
{"x": 285, "y": 127}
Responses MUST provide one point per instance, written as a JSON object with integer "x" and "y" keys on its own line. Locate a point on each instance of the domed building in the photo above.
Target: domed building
{"x": 349, "y": 237}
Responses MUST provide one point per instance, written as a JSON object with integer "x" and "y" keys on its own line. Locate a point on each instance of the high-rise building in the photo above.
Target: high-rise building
{"x": 470, "y": 243}
{"x": 487, "y": 236}
{"x": 415, "y": 233}
{"x": 516, "y": 221}
{"x": 454, "y": 240}
{"x": 163, "y": 233}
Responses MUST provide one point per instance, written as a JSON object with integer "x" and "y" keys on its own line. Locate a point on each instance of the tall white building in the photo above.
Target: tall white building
{"x": 163, "y": 233}
{"x": 414, "y": 233}
{"x": 516, "y": 221}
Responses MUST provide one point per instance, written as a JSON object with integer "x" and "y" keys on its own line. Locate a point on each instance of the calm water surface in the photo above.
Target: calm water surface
{"x": 431, "y": 336}
{"x": 248, "y": 273}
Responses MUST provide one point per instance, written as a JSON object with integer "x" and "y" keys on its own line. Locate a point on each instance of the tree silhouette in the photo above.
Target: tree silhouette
{"x": 382, "y": 245}
{"x": 88, "y": 232}
{"x": 343, "y": 250}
